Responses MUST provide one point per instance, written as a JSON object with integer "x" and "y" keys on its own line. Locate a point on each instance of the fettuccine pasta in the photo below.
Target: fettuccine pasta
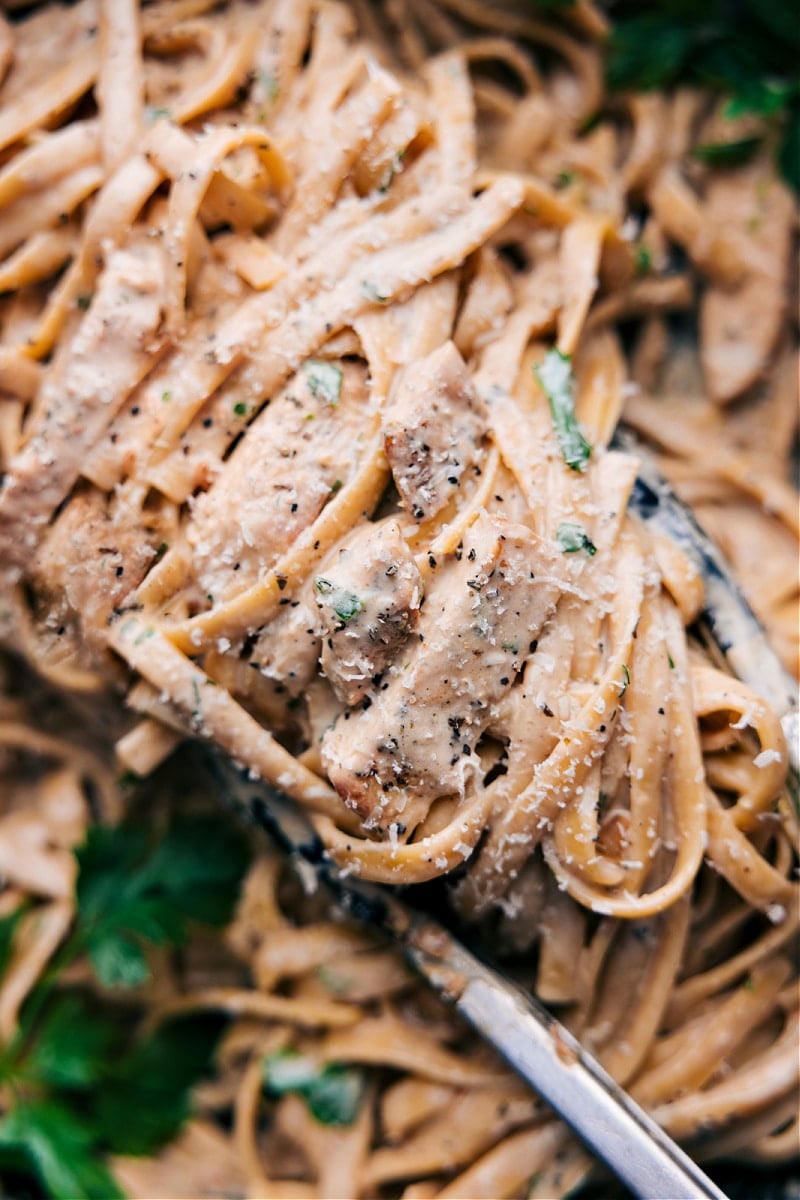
{"x": 318, "y": 320}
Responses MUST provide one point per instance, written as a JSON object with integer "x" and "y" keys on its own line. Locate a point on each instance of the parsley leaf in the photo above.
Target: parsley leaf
{"x": 129, "y": 891}
{"x": 8, "y": 929}
{"x": 333, "y": 1093}
{"x": 557, "y": 382}
{"x": 78, "y": 1084}
{"x": 572, "y": 537}
{"x": 146, "y": 1097}
{"x": 55, "y": 1143}
{"x": 345, "y": 604}
{"x": 72, "y": 1043}
{"x": 743, "y": 49}
{"x": 727, "y": 154}
{"x": 324, "y": 380}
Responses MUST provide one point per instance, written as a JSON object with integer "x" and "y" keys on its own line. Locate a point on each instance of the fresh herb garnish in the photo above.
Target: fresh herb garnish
{"x": 324, "y": 381}
{"x": 153, "y": 113}
{"x": 83, "y": 302}
{"x": 727, "y": 154}
{"x": 742, "y": 49}
{"x": 372, "y": 292}
{"x": 333, "y": 1093}
{"x": 131, "y": 892}
{"x": 78, "y": 1085}
{"x": 644, "y": 259}
{"x": 345, "y": 604}
{"x": 557, "y": 381}
{"x": 240, "y": 409}
{"x": 626, "y": 679}
{"x": 270, "y": 85}
{"x": 572, "y": 537}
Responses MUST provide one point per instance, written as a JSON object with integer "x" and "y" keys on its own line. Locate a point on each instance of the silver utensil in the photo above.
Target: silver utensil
{"x": 537, "y": 1046}
{"x": 732, "y": 631}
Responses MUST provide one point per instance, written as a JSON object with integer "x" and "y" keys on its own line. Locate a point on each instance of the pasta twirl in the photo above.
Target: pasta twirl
{"x": 318, "y": 320}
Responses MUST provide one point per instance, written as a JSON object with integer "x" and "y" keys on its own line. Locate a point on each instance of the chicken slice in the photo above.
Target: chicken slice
{"x": 416, "y": 740}
{"x": 368, "y": 594}
{"x": 433, "y": 430}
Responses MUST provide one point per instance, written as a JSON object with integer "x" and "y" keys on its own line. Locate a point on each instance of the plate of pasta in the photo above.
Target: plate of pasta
{"x": 317, "y": 322}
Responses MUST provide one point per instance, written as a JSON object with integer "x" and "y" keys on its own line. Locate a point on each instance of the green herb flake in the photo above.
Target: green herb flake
{"x": 83, "y": 302}
{"x": 643, "y": 259}
{"x": 337, "y": 486}
{"x": 671, "y": 662}
{"x": 56, "y": 1145}
{"x": 346, "y": 607}
{"x": 372, "y": 292}
{"x": 8, "y": 929}
{"x": 333, "y": 1093}
{"x": 166, "y": 397}
{"x": 626, "y": 679}
{"x": 345, "y": 604}
{"x": 154, "y": 113}
{"x": 727, "y": 154}
{"x": 131, "y": 891}
{"x": 557, "y": 381}
{"x": 572, "y": 537}
{"x": 564, "y": 179}
{"x": 324, "y": 381}
{"x": 240, "y": 409}
{"x": 270, "y": 85}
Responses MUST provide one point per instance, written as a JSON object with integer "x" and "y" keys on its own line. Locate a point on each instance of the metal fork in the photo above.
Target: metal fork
{"x": 537, "y": 1046}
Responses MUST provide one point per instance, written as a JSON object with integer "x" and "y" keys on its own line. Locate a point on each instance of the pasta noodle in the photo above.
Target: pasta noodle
{"x": 317, "y": 323}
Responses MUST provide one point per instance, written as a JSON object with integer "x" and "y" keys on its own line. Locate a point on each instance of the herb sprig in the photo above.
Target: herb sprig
{"x": 743, "y": 49}
{"x": 557, "y": 381}
{"x": 333, "y": 1092}
{"x": 81, "y": 1086}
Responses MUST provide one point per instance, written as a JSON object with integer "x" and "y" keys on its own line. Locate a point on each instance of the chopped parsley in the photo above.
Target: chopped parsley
{"x": 372, "y": 292}
{"x": 240, "y": 409}
{"x": 333, "y": 1093}
{"x": 738, "y": 48}
{"x": 644, "y": 259}
{"x": 345, "y": 604}
{"x": 79, "y": 1083}
{"x": 557, "y": 381}
{"x": 626, "y": 679}
{"x": 727, "y": 154}
{"x": 153, "y": 113}
{"x": 83, "y": 302}
{"x": 572, "y": 537}
{"x": 270, "y": 85}
{"x": 324, "y": 380}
